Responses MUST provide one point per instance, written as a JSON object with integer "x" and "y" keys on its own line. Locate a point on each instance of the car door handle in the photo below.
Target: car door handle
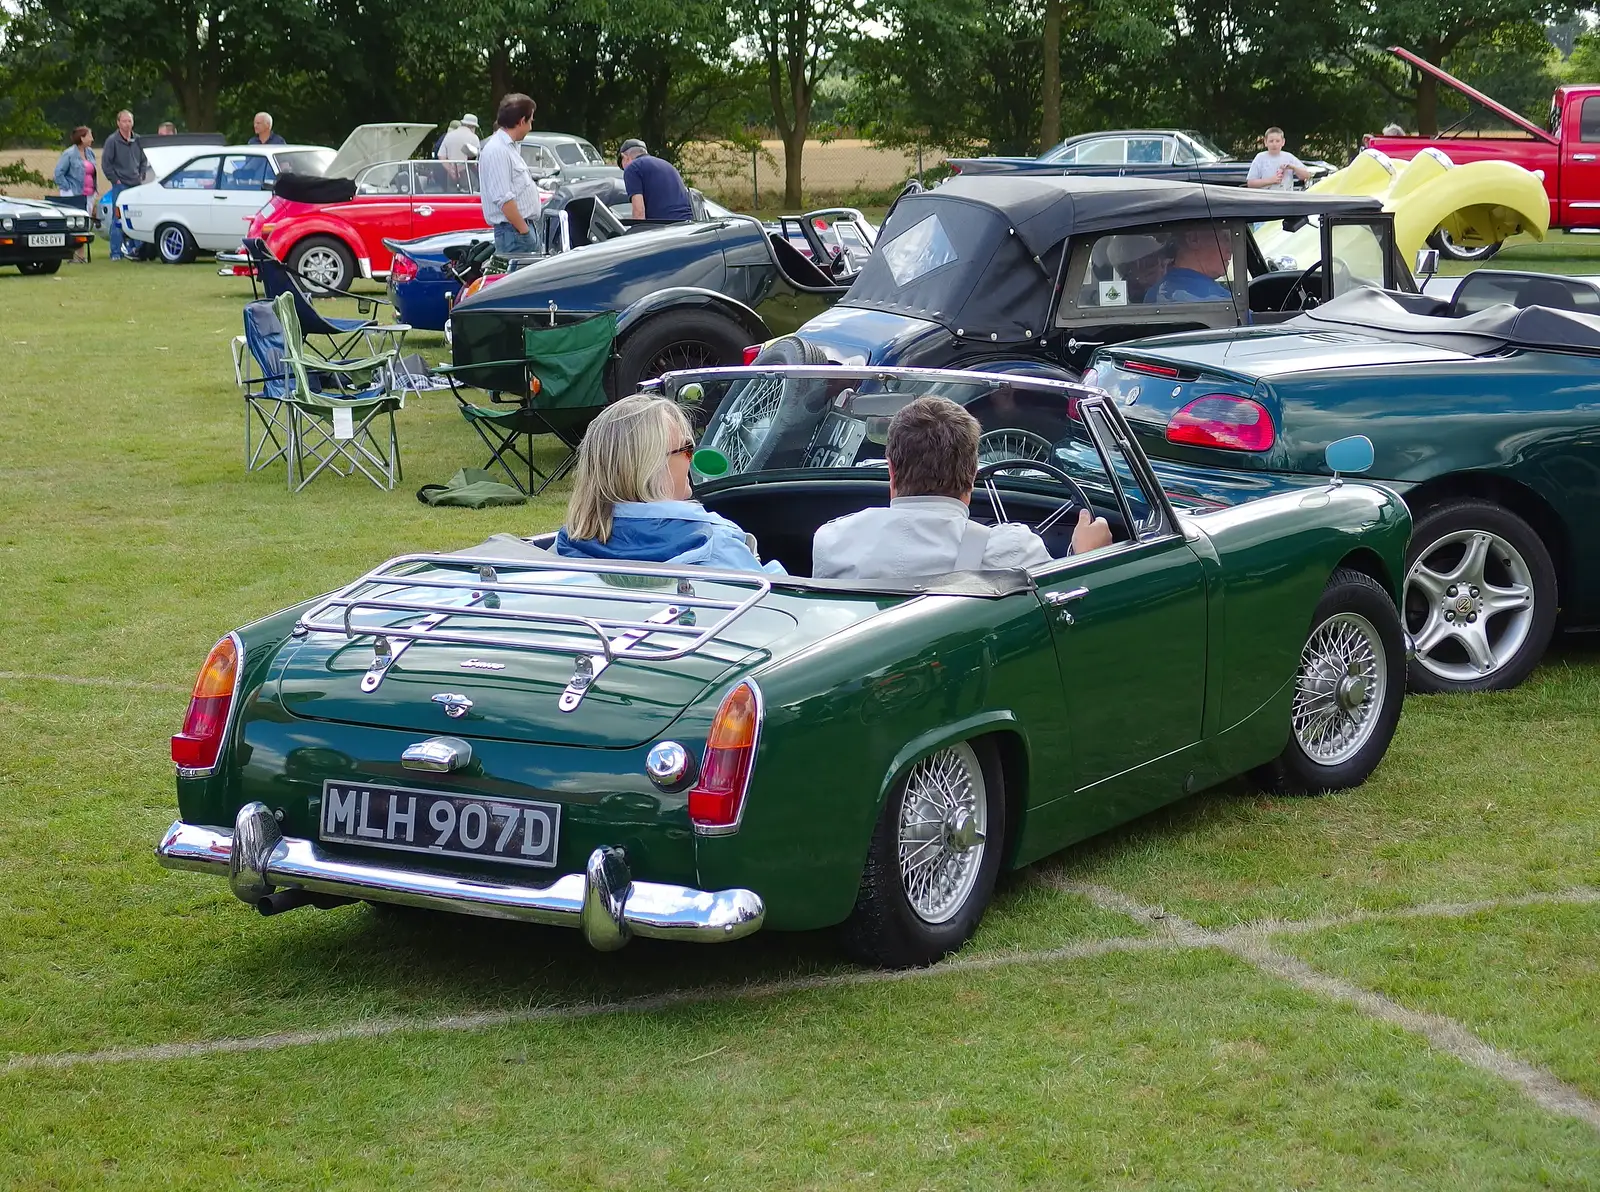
{"x": 1583, "y": 157}
{"x": 424, "y": 210}
{"x": 1060, "y": 600}
{"x": 220, "y": 198}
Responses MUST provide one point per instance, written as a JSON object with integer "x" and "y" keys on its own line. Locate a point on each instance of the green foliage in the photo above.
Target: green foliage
{"x": 16, "y": 173}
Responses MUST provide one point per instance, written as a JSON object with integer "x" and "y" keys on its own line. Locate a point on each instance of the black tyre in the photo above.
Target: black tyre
{"x": 38, "y": 268}
{"x": 676, "y": 340}
{"x": 933, "y": 860}
{"x": 175, "y": 244}
{"x": 1349, "y": 685}
{"x": 755, "y": 416}
{"x": 324, "y": 262}
{"x": 1480, "y": 598}
{"x": 1452, "y": 251}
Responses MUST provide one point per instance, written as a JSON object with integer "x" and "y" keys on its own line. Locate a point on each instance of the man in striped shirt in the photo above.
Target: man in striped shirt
{"x": 511, "y": 198}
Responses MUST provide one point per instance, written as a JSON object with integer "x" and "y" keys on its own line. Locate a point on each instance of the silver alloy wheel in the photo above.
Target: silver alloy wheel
{"x": 1340, "y": 688}
{"x": 321, "y": 266}
{"x": 1456, "y": 252}
{"x": 747, "y": 420}
{"x": 944, "y": 817}
{"x": 173, "y": 244}
{"x": 1474, "y": 593}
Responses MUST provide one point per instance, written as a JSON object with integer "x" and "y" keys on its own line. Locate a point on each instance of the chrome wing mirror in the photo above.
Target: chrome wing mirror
{"x": 1353, "y": 455}
{"x": 1427, "y": 263}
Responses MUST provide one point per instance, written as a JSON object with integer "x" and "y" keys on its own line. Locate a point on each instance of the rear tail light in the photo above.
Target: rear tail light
{"x": 751, "y": 352}
{"x": 1150, "y": 370}
{"x": 717, "y": 797}
{"x": 1223, "y": 420}
{"x": 403, "y": 268}
{"x": 196, "y": 747}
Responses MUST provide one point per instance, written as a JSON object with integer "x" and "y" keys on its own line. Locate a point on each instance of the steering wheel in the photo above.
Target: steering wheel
{"x": 1299, "y": 288}
{"x": 989, "y": 471}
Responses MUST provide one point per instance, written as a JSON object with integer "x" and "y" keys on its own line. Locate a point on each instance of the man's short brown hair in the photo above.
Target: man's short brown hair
{"x": 933, "y": 449}
{"x": 1273, "y": 129}
{"x": 514, "y": 109}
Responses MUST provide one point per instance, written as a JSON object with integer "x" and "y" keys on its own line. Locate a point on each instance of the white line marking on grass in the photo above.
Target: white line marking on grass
{"x": 84, "y": 681}
{"x": 1249, "y": 943}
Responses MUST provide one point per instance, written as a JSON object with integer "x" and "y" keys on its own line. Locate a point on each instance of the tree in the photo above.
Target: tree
{"x": 1433, "y": 30}
{"x": 798, "y": 42}
{"x": 1050, "y": 69}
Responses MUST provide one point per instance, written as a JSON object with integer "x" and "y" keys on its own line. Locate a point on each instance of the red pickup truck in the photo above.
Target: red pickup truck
{"x": 1567, "y": 153}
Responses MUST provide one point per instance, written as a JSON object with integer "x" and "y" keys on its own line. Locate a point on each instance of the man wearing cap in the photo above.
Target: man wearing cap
{"x": 511, "y": 199}
{"x": 655, "y": 188}
{"x": 461, "y": 142}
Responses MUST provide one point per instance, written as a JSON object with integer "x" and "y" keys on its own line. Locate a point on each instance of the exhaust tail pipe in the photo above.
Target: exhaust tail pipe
{"x": 287, "y": 900}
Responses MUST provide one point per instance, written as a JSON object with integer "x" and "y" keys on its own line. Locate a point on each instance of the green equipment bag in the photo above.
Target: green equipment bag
{"x": 471, "y": 488}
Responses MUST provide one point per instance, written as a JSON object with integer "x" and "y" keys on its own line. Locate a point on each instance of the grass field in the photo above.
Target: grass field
{"x": 1393, "y": 988}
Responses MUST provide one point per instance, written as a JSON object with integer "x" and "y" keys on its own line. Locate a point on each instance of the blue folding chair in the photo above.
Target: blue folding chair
{"x": 260, "y": 370}
{"x": 342, "y": 334}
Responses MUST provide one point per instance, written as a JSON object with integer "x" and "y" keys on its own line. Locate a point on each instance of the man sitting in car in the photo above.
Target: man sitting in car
{"x": 1199, "y": 268}
{"x": 927, "y": 530}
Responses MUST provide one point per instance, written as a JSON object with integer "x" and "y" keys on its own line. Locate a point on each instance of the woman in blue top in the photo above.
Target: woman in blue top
{"x": 631, "y": 500}
{"x": 76, "y": 175}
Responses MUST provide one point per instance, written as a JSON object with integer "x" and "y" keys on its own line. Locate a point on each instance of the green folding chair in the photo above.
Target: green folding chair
{"x": 337, "y": 410}
{"x": 563, "y": 390}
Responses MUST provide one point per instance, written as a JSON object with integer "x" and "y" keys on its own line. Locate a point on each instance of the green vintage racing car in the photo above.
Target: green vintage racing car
{"x": 680, "y": 753}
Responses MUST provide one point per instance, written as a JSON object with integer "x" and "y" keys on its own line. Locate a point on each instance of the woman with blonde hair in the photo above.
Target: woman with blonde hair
{"x": 631, "y": 500}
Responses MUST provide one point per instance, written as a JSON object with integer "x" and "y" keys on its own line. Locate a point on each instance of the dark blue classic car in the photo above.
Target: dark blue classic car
{"x": 1136, "y": 152}
{"x": 687, "y": 295}
{"x": 37, "y": 236}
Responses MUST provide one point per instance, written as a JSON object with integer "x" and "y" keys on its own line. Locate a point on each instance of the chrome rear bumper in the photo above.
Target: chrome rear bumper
{"x": 603, "y": 901}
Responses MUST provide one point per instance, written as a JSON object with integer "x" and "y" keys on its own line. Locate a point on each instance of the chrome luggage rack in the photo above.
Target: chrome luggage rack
{"x": 674, "y": 625}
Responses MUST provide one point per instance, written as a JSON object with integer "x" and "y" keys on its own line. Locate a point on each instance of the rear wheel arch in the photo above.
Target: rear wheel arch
{"x": 1515, "y": 497}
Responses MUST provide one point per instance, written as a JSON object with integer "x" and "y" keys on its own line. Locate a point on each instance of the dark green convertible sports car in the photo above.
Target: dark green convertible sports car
{"x": 1486, "y": 414}
{"x": 689, "y": 754}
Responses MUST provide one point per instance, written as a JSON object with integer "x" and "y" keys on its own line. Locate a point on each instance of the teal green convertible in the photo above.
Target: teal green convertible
{"x": 677, "y": 753}
{"x": 1485, "y": 411}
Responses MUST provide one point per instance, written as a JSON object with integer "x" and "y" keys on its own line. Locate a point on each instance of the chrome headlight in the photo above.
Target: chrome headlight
{"x": 5, "y": 224}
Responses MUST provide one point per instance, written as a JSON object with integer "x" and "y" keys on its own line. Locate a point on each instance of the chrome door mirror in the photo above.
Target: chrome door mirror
{"x": 1354, "y": 454}
{"x": 1427, "y": 262}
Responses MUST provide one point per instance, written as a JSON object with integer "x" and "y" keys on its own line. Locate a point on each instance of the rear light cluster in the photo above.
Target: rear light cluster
{"x": 198, "y": 744}
{"x": 403, "y": 268}
{"x": 751, "y": 352}
{"x": 1150, "y": 370}
{"x": 717, "y": 796}
{"x": 1225, "y": 421}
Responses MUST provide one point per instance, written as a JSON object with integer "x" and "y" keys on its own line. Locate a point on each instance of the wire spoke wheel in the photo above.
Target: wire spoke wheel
{"x": 1012, "y": 443}
{"x": 1339, "y": 689}
{"x": 1469, "y": 604}
{"x": 747, "y": 418}
{"x": 944, "y": 820}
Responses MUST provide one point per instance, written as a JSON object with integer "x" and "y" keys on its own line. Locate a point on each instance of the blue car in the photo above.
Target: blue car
{"x": 420, "y": 284}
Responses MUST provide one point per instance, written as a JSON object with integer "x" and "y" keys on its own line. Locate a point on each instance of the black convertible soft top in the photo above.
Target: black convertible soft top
{"x": 1000, "y": 238}
{"x": 1495, "y": 329}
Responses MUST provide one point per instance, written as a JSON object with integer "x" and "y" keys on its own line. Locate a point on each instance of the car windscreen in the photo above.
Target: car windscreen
{"x": 569, "y": 153}
{"x": 1207, "y": 147}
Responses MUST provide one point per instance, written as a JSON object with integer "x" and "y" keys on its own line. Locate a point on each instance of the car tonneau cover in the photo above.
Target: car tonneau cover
{"x": 1493, "y": 330}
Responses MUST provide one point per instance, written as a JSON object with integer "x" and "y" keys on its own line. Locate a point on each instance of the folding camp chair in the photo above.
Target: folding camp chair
{"x": 342, "y": 334}
{"x": 259, "y": 372}
{"x": 563, "y": 390}
{"x": 336, "y": 411}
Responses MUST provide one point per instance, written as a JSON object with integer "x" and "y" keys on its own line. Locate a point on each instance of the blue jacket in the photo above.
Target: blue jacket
{"x": 668, "y": 532}
{"x": 69, "y": 171}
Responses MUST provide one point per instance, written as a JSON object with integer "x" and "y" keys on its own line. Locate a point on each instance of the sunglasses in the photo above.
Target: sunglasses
{"x": 686, "y": 449}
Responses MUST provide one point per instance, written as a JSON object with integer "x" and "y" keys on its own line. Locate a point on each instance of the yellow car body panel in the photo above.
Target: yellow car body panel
{"x": 1482, "y": 202}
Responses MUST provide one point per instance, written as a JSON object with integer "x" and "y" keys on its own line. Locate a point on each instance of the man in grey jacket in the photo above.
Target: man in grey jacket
{"x": 123, "y": 163}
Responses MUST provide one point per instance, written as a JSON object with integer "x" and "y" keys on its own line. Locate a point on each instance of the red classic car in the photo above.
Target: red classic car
{"x": 334, "y": 243}
{"x": 1567, "y": 153}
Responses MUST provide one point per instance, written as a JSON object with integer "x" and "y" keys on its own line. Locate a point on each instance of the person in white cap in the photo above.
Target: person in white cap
{"x": 461, "y": 142}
